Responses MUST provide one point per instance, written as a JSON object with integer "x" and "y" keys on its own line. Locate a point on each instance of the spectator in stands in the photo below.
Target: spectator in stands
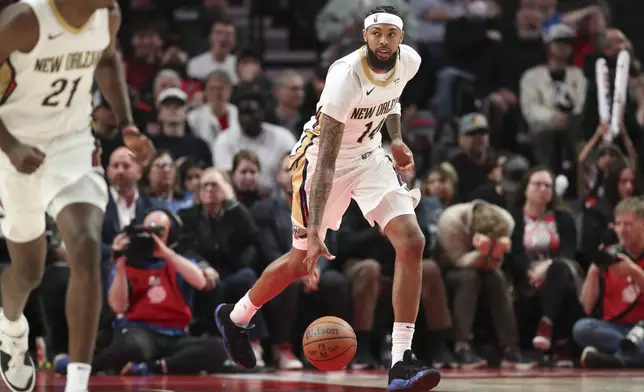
{"x": 492, "y": 191}
{"x": 126, "y": 201}
{"x": 438, "y": 194}
{"x": 268, "y": 141}
{"x": 161, "y": 182}
{"x": 221, "y": 231}
{"x": 145, "y": 110}
{"x": 470, "y": 163}
{"x": 219, "y": 57}
{"x": 252, "y": 78}
{"x": 615, "y": 42}
{"x": 152, "y": 287}
{"x": 175, "y": 135}
{"x": 596, "y": 162}
{"x": 552, "y": 98}
{"x": 542, "y": 262}
{"x": 147, "y": 48}
{"x": 613, "y": 287}
{"x": 473, "y": 240}
{"x": 245, "y": 178}
{"x": 217, "y": 115}
{"x": 621, "y": 182}
{"x": 313, "y": 91}
{"x": 189, "y": 174}
{"x": 289, "y": 91}
{"x": 521, "y": 49}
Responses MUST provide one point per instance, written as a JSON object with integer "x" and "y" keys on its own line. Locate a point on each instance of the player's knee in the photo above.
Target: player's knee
{"x": 411, "y": 244}
{"x": 84, "y": 251}
{"x": 29, "y": 272}
{"x": 369, "y": 271}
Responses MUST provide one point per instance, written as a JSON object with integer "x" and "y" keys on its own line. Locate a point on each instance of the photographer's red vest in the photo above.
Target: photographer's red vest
{"x": 622, "y": 299}
{"x": 157, "y": 298}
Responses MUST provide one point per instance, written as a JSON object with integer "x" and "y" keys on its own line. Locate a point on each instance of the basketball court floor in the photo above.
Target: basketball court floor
{"x": 546, "y": 380}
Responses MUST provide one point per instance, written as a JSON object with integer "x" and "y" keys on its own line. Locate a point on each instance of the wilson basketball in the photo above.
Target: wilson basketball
{"x": 329, "y": 343}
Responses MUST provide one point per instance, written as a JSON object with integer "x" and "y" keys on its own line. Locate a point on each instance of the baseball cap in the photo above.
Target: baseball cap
{"x": 471, "y": 123}
{"x": 559, "y": 32}
{"x": 172, "y": 93}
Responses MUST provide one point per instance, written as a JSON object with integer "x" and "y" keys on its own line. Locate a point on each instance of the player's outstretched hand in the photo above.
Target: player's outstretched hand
{"x": 25, "y": 158}
{"x": 316, "y": 249}
{"x": 402, "y": 156}
{"x": 139, "y": 144}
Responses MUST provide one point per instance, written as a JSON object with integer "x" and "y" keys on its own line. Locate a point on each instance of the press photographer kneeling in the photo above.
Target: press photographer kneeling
{"x": 152, "y": 288}
{"x": 613, "y": 291}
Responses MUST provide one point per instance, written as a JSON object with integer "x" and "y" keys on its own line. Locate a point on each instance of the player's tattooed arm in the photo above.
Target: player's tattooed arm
{"x": 110, "y": 75}
{"x": 331, "y": 132}
{"x": 394, "y": 127}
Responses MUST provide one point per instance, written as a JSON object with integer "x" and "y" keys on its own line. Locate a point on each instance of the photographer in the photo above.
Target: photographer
{"x": 152, "y": 287}
{"x": 613, "y": 287}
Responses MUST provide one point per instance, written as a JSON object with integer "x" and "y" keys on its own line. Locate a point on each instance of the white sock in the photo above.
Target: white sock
{"x": 401, "y": 338}
{"x": 243, "y": 311}
{"x": 14, "y": 328}
{"x": 78, "y": 377}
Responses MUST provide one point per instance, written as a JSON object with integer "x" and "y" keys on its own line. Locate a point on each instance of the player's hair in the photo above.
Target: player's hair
{"x": 387, "y": 9}
{"x": 245, "y": 155}
{"x": 633, "y": 205}
{"x": 489, "y": 221}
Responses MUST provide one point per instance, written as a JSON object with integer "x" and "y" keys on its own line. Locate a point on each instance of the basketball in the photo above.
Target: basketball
{"x": 329, "y": 343}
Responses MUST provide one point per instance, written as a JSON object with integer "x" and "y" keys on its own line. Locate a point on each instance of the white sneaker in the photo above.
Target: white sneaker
{"x": 285, "y": 359}
{"x": 16, "y": 366}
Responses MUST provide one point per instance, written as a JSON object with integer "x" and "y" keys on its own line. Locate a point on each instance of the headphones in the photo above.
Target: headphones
{"x": 176, "y": 225}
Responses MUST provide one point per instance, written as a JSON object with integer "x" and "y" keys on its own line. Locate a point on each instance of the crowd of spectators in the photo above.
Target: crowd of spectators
{"x": 521, "y": 194}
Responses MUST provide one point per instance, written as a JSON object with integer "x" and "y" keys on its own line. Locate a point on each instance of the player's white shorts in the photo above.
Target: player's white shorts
{"x": 71, "y": 173}
{"x": 369, "y": 179}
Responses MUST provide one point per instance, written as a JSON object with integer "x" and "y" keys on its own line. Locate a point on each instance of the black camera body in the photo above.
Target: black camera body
{"x": 608, "y": 256}
{"x": 141, "y": 247}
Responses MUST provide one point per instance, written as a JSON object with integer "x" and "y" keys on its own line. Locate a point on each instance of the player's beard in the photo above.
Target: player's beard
{"x": 376, "y": 63}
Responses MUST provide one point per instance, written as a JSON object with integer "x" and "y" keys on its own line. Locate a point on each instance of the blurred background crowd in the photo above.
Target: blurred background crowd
{"x": 502, "y": 113}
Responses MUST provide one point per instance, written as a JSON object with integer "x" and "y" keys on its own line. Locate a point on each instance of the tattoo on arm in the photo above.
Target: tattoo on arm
{"x": 393, "y": 126}
{"x": 330, "y": 140}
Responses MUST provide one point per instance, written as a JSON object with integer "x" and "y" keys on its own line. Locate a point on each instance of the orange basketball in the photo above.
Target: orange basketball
{"x": 329, "y": 343}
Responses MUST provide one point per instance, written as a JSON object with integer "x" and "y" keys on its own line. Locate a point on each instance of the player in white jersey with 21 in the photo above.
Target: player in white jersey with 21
{"x": 51, "y": 51}
{"x": 340, "y": 157}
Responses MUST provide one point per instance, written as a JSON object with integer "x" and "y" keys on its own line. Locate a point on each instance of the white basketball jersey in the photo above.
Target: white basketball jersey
{"x": 361, "y": 99}
{"x": 47, "y": 92}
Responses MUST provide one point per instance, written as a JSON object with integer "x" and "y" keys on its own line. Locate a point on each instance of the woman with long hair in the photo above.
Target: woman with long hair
{"x": 541, "y": 260}
{"x": 621, "y": 181}
{"x": 160, "y": 181}
{"x": 245, "y": 177}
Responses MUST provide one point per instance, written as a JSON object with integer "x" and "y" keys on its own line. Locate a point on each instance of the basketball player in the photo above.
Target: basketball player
{"x": 50, "y": 53}
{"x": 340, "y": 157}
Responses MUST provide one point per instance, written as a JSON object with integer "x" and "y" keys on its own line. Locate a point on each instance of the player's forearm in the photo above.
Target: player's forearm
{"x": 322, "y": 181}
{"x": 6, "y": 138}
{"x": 110, "y": 76}
{"x": 394, "y": 127}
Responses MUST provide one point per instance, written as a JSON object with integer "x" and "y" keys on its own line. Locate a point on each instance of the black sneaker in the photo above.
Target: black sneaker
{"x": 235, "y": 338}
{"x": 444, "y": 359}
{"x": 513, "y": 359}
{"x": 591, "y": 358}
{"x": 16, "y": 366}
{"x": 412, "y": 375}
{"x": 467, "y": 359}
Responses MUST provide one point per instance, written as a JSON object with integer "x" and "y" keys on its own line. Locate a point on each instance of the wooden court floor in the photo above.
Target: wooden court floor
{"x": 546, "y": 380}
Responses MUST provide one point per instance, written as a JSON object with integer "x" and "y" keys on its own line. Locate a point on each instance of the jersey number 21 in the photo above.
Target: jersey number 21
{"x": 61, "y": 87}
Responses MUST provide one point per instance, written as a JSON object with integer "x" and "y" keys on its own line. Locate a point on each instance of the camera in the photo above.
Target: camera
{"x": 631, "y": 342}
{"x": 608, "y": 256}
{"x": 141, "y": 247}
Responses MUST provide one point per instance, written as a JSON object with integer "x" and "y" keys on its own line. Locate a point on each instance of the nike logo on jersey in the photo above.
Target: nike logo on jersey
{"x": 370, "y": 91}
{"x": 54, "y": 36}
